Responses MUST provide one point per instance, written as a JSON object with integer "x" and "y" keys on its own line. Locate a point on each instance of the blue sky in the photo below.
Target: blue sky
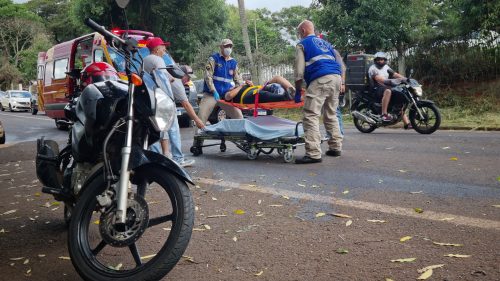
{"x": 272, "y": 5}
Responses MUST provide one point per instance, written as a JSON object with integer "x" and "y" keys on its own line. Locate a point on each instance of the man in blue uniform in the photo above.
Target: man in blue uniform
{"x": 221, "y": 69}
{"x": 319, "y": 65}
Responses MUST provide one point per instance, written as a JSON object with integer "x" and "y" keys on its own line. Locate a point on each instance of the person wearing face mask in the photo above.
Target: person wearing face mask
{"x": 221, "y": 69}
{"x": 319, "y": 65}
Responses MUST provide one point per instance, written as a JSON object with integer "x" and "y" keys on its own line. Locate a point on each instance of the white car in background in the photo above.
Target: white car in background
{"x": 15, "y": 101}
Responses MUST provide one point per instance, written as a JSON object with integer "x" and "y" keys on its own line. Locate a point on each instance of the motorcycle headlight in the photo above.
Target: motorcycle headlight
{"x": 417, "y": 91}
{"x": 165, "y": 110}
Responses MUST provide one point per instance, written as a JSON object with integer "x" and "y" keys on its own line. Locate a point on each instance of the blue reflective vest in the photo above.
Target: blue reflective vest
{"x": 223, "y": 74}
{"x": 320, "y": 59}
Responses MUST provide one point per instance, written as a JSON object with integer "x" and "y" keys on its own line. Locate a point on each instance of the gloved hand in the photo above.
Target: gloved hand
{"x": 298, "y": 96}
{"x": 216, "y": 96}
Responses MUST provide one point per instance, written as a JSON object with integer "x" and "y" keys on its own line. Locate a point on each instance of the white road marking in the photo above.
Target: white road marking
{"x": 393, "y": 210}
{"x": 27, "y": 117}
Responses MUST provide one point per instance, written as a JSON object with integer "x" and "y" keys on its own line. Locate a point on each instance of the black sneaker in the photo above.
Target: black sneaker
{"x": 386, "y": 118}
{"x": 333, "y": 153}
{"x": 307, "y": 160}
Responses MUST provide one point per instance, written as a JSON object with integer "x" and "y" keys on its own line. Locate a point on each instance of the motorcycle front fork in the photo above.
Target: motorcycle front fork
{"x": 122, "y": 188}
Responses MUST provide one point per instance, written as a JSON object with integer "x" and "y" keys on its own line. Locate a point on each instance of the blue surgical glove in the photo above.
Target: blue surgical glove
{"x": 216, "y": 96}
{"x": 298, "y": 96}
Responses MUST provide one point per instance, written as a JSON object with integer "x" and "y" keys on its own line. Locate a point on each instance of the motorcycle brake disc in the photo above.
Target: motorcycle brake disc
{"x": 137, "y": 220}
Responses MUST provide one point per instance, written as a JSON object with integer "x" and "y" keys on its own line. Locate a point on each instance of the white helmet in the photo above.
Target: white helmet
{"x": 380, "y": 59}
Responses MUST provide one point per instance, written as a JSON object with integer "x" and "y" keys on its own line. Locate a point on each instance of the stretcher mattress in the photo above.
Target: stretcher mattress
{"x": 263, "y": 127}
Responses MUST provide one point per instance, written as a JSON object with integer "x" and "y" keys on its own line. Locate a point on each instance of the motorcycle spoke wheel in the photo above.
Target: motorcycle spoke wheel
{"x": 157, "y": 232}
{"x": 430, "y": 120}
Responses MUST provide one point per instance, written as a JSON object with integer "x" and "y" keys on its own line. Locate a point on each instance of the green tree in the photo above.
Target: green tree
{"x": 376, "y": 25}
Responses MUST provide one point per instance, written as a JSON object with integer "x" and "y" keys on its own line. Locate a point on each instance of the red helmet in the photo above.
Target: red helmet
{"x": 98, "y": 72}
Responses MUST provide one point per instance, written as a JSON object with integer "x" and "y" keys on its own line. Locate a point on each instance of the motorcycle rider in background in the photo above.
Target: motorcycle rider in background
{"x": 379, "y": 75}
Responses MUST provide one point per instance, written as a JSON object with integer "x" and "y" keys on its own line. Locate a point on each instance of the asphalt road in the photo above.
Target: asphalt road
{"x": 452, "y": 176}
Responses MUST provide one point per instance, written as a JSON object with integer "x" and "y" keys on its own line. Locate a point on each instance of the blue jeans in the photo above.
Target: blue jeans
{"x": 174, "y": 135}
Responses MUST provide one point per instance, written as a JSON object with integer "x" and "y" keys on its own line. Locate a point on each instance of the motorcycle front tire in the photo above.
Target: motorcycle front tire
{"x": 86, "y": 263}
{"x": 430, "y": 124}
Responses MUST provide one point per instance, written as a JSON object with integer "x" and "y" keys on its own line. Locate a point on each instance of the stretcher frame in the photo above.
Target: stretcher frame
{"x": 252, "y": 146}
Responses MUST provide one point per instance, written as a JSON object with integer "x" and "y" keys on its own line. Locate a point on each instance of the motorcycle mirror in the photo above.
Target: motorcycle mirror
{"x": 175, "y": 71}
{"x": 122, "y": 3}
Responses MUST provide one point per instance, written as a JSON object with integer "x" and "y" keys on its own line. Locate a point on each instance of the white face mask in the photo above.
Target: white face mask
{"x": 227, "y": 51}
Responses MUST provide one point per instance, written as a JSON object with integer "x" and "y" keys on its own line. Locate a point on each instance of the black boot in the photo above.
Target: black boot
{"x": 307, "y": 160}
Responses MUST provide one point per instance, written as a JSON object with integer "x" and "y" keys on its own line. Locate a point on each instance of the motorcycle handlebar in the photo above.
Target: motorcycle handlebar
{"x": 107, "y": 34}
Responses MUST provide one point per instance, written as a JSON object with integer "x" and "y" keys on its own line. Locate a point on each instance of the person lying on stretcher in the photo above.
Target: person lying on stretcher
{"x": 275, "y": 90}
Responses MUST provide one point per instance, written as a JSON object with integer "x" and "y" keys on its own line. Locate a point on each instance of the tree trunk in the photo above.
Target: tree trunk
{"x": 246, "y": 38}
{"x": 401, "y": 60}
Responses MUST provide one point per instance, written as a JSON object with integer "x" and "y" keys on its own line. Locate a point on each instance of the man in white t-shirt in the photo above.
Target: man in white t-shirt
{"x": 379, "y": 74}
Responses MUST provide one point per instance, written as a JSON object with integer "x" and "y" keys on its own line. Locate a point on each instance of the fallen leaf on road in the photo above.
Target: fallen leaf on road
{"x": 345, "y": 191}
{"x": 301, "y": 185}
{"x": 216, "y": 216}
{"x": 285, "y": 197}
{"x": 207, "y": 227}
{"x": 406, "y": 238}
{"x": 239, "y": 212}
{"x": 425, "y": 275}
{"x": 259, "y": 274}
{"x": 446, "y": 147}
{"x": 457, "y": 256}
{"x": 2, "y": 230}
{"x": 117, "y": 267}
{"x": 64, "y": 258}
{"x": 318, "y": 215}
{"x": 259, "y": 202}
{"x": 402, "y": 171}
{"x": 148, "y": 257}
{"x": 37, "y": 194}
{"x": 454, "y": 158}
{"x": 404, "y": 260}
{"x": 275, "y": 205}
{"x": 342, "y": 251}
{"x": 16, "y": 259}
{"x": 498, "y": 178}
{"x": 416, "y": 192}
{"x": 388, "y": 279}
{"x": 252, "y": 185}
{"x": 422, "y": 270}
{"x": 26, "y": 261}
{"x": 259, "y": 214}
{"x": 189, "y": 259}
{"x": 447, "y": 219}
{"x": 496, "y": 206}
{"x": 419, "y": 210}
{"x": 198, "y": 229}
{"x": 213, "y": 198}
{"x": 341, "y": 216}
{"x": 41, "y": 256}
{"x": 447, "y": 244}
{"x": 9, "y": 212}
{"x": 28, "y": 272}
{"x": 379, "y": 221}
{"x": 235, "y": 238}
{"x": 349, "y": 222}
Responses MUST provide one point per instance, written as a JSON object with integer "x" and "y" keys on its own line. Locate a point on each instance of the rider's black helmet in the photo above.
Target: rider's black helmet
{"x": 380, "y": 59}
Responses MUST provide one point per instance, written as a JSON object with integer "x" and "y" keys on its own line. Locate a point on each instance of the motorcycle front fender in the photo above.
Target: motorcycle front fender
{"x": 140, "y": 157}
{"x": 425, "y": 102}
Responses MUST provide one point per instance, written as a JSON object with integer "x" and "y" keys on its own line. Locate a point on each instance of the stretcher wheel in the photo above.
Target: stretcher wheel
{"x": 223, "y": 147}
{"x": 196, "y": 150}
{"x": 252, "y": 154}
{"x": 288, "y": 156}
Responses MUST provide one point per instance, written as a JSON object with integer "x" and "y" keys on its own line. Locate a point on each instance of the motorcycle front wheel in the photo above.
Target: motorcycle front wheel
{"x": 160, "y": 217}
{"x": 430, "y": 120}
{"x": 362, "y": 126}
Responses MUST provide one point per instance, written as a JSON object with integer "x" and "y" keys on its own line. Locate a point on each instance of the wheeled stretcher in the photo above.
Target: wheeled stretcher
{"x": 253, "y": 135}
